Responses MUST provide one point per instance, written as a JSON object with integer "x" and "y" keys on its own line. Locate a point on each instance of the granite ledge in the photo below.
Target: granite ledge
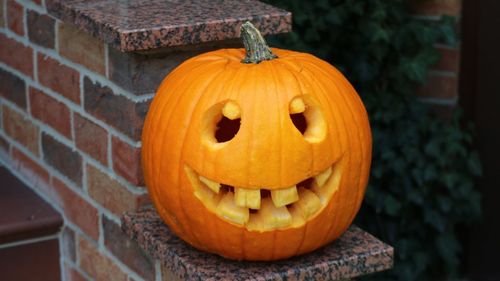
{"x": 355, "y": 253}
{"x": 135, "y": 25}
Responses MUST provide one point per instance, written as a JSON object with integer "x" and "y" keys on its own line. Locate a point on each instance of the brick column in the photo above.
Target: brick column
{"x": 71, "y": 114}
{"x": 441, "y": 89}
{"x": 73, "y": 135}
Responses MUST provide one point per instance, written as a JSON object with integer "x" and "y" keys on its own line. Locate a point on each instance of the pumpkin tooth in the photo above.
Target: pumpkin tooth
{"x": 297, "y": 105}
{"x": 309, "y": 202}
{"x": 319, "y": 191}
{"x": 297, "y": 217}
{"x": 214, "y": 186}
{"x": 280, "y": 215}
{"x": 229, "y": 211}
{"x": 322, "y": 178}
{"x": 231, "y": 110}
{"x": 249, "y": 198}
{"x": 270, "y": 216}
{"x": 282, "y": 197}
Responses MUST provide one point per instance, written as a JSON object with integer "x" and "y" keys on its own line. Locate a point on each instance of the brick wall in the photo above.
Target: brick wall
{"x": 71, "y": 114}
{"x": 441, "y": 89}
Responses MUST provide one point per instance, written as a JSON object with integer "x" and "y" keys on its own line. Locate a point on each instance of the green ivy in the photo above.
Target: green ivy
{"x": 423, "y": 169}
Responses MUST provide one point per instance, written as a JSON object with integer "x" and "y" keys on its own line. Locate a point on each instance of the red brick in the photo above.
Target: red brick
{"x": 439, "y": 86}
{"x": 127, "y": 250}
{"x": 29, "y": 167}
{"x": 68, "y": 249}
{"x": 449, "y": 61}
{"x": 16, "y": 55}
{"x": 41, "y": 29}
{"x": 127, "y": 161}
{"x": 436, "y": 7}
{"x": 18, "y": 127}
{"x": 15, "y": 17}
{"x": 91, "y": 138}
{"x": 117, "y": 111}
{"x": 95, "y": 264}
{"x": 13, "y": 88}
{"x": 111, "y": 194}
{"x": 58, "y": 77}
{"x": 76, "y": 208}
{"x": 50, "y": 111}
{"x": 443, "y": 111}
{"x": 63, "y": 158}
{"x": 71, "y": 274}
{"x": 4, "y": 147}
{"x": 80, "y": 47}
{"x": 2, "y": 20}
{"x": 31, "y": 171}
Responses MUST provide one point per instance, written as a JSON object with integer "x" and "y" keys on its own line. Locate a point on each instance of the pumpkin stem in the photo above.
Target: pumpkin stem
{"x": 255, "y": 45}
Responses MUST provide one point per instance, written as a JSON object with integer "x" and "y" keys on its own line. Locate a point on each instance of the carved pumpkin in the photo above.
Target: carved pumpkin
{"x": 256, "y": 157}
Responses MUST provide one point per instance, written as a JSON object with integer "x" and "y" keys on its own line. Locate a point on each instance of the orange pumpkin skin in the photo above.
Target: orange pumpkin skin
{"x": 268, "y": 151}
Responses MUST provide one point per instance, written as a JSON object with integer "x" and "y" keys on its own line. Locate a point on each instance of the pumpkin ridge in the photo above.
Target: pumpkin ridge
{"x": 179, "y": 175}
{"x": 284, "y": 118}
{"x": 331, "y": 102}
{"x": 272, "y": 71}
{"x": 229, "y": 86}
{"x": 163, "y": 103}
{"x": 227, "y": 79}
{"x": 155, "y": 186}
{"x": 208, "y": 84}
{"x": 366, "y": 146}
{"x": 289, "y": 61}
{"x": 235, "y": 91}
{"x": 333, "y": 110}
{"x": 222, "y": 76}
{"x": 354, "y": 120}
{"x": 351, "y": 145}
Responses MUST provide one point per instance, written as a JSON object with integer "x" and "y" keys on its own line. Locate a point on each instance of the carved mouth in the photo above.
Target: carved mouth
{"x": 263, "y": 209}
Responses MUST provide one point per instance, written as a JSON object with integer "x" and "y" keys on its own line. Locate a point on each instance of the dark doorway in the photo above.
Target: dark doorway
{"x": 480, "y": 98}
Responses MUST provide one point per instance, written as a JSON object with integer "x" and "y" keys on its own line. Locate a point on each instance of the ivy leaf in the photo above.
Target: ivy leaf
{"x": 447, "y": 29}
{"x": 380, "y": 35}
{"x": 333, "y": 17}
{"x": 415, "y": 71}
{"x": 391, "y": 206}
{"x": 447, "y": 246}
{"x": 435, "y": 219}
{"x": 474, "y": 164}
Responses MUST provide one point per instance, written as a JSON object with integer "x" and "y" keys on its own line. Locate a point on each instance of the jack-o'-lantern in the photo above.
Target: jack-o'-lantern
{"x": 256, "y": 153}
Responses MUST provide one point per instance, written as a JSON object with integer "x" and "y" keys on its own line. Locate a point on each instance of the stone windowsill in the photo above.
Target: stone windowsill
{"x": 355, "y": 253}
{"x": 137, "y": 25}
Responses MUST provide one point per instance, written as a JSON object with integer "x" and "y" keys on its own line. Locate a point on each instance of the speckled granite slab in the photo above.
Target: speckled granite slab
{"x": 134, "y": 25}
{"x": 355, "y": 253}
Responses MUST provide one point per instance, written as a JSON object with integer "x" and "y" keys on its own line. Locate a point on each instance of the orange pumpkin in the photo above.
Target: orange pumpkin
{"x": 256, "y": 153}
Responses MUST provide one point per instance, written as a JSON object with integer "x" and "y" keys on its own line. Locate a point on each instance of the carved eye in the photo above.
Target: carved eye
{"x": 297, "y": 108}
{"x": 307, "y": 117}
{"x": 229, "y": 125}
{"x": 221, "y": 123}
